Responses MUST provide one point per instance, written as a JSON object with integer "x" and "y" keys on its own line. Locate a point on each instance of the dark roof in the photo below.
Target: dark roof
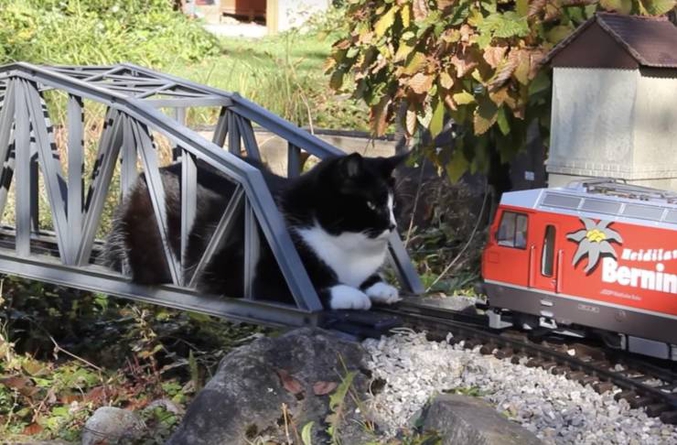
{"x": 651, "y": 41}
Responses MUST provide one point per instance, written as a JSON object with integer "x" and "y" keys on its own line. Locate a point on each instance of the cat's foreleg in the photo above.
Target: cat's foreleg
{"x": 341, "y": 296}
{"x": 379, "y": 291}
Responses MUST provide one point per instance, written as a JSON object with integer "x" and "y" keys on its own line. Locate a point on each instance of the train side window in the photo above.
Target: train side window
{"x": 548, "y": 253}
{"x": 512, "y": 231}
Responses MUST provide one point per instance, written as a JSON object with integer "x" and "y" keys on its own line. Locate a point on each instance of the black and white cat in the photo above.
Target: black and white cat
{"x": 339, "y": 214}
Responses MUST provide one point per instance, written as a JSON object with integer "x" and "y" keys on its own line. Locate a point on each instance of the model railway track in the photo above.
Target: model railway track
{"x": 642, "y": 384}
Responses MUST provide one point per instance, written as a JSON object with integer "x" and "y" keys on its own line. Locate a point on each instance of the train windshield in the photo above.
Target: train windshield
{"x": 512, "y": 232}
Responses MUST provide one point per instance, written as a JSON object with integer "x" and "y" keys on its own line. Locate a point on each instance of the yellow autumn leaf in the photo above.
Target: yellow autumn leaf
{"x": 403, "y": 51}
{"x": 446, "y": 81}
{"x": 437, "y": 121}
{"x": 386, "y": 21}
{"x": 463, "y": 98}
{"x": 410, "y": 123}
{"x": 405, "y": 15}
{"x": 416, "y": 61}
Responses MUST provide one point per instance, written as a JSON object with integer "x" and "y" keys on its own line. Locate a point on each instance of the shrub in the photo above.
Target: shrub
{"x": 79, "y": 32}
{"x": 478, "y": 63}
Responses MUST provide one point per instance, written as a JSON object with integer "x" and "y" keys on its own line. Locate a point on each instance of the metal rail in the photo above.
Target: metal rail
{"x": 134, "y": 99}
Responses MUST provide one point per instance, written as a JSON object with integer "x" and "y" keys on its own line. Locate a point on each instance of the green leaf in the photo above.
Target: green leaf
{"x": 416, "y": 61}
{"x": 558, "y": 33}
{"x": 658, "y": 7}
{"x": 457, "y": 165}
{"x": 386, "y": 21}
{"x": 483, "y": 40}
{"x": 485, "y": 116}
{"x": 622, "y": 6}
{"x": 502, "y": 121}
{"x": 463, "y": 98}
{"x": 306, "y": 432}
{"x": 336, "y": 81}
{"x": 489, "y": 6}
{"x": 437, "y": 121}
{"x": 336, "y": 399}
{"x": 522, "y": 7}
{"x": 540, "y": 83}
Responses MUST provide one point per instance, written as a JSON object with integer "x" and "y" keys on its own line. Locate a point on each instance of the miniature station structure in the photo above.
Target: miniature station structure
{"x": 614, "y": 102}
{"x": 49, "y": 232}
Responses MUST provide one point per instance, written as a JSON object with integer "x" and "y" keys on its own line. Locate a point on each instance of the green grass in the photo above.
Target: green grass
{"x": 284, "y": 74}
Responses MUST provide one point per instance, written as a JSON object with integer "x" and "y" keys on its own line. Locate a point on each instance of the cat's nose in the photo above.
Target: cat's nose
{"x": 392, "y": 227}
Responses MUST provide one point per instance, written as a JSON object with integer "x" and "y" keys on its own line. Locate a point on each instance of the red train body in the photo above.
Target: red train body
{"x": 599, "y": 255}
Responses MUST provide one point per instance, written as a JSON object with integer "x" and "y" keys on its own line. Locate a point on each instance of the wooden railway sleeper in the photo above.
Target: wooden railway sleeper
{"x": 639, "y": 402}
{"x": 627, "y": 395}
{"x": 669, "y": 417}
{"x": 602, "y": 387}
{"x": 656, "y": 409}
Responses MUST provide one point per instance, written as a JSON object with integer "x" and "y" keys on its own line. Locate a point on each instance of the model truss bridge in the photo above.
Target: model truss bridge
{"x": 59, "y": 183}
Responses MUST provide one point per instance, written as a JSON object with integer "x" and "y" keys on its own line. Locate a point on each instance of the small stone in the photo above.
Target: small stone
{"x": 110, "y": 425}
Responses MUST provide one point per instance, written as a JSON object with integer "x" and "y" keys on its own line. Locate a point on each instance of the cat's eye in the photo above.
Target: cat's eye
{"x": 371, "y": 205}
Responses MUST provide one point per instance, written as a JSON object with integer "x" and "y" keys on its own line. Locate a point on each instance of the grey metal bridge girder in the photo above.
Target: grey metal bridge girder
{"x": 133, "y": 96}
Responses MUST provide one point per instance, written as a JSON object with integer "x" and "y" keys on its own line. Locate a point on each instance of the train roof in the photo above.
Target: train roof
{"x": 602, "y": 199}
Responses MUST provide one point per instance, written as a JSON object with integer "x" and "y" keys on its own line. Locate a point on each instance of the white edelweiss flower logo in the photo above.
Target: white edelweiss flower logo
{"x": 594, "y": 241}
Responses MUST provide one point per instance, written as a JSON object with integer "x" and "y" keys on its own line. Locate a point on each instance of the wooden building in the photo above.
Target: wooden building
{"x": 278, "y": 15}
{"x": 614, "y": 105}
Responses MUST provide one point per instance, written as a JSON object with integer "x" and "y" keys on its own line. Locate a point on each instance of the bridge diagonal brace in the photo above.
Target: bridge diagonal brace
{"x": 405, "y": 271}
{"x": 50, "y": 166}
{"x": 76, "y": 171}
{"x": 156, "y": 190}
{"x": 104, "y": 166}
{"x": 128, "y": 172}
{"x": 233, "y": 134}
{"x": 7, "y": 122}
{"x": 293, "y": 161}
{"x": 223, "y": 230}
{"x": 23, "y": 169}
{"x": 188, "y": 205}
{"x": 247, "y": 132}
{"x": 221, "y": 129}
{"x": 252, "y": 250}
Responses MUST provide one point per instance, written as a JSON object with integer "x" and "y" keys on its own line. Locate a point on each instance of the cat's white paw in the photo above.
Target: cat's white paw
{"x": 346, "y": 297}
{"x": 383, "y": 293}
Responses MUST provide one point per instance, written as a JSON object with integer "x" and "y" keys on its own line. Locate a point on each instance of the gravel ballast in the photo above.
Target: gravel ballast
{"x": 557, "y": 410}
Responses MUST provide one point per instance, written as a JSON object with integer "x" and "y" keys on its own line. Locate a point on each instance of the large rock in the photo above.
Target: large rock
{"x": 467, "y": 420}
{"x": 277, "y": 384}
{"x": 109, "y": 425}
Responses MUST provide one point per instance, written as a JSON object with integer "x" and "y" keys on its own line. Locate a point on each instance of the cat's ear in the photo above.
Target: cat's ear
{"x": 351, "y": 166}
{"x": 388, "y": 165}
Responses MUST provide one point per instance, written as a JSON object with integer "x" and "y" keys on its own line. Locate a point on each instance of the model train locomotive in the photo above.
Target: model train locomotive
{"x": 595, "y": 256}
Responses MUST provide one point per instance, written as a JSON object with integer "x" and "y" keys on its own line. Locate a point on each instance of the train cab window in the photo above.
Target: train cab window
{"x": 548, "y": 253}
{"x": 512, "y": 232}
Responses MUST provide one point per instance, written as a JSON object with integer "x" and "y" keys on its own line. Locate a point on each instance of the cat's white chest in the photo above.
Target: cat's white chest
{"x": 354, "y": 257}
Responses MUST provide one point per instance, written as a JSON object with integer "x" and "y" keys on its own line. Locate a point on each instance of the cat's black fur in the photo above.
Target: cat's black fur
{"x": 342, "y": 194}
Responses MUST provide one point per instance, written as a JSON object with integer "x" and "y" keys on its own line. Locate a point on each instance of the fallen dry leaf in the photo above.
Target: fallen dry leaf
{"x": 290, "y": 383}
{"x": 322, "y": 388}
{"x": 32, "y": 429}
{"x": 15, "y": 382}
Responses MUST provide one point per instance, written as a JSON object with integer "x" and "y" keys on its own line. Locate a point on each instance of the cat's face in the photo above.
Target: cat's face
{"x": 359, "y": 196}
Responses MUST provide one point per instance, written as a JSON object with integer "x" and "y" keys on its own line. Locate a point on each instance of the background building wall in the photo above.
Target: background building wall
{"x": 613, "y": 123}
{"x": 293, "y": 13}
